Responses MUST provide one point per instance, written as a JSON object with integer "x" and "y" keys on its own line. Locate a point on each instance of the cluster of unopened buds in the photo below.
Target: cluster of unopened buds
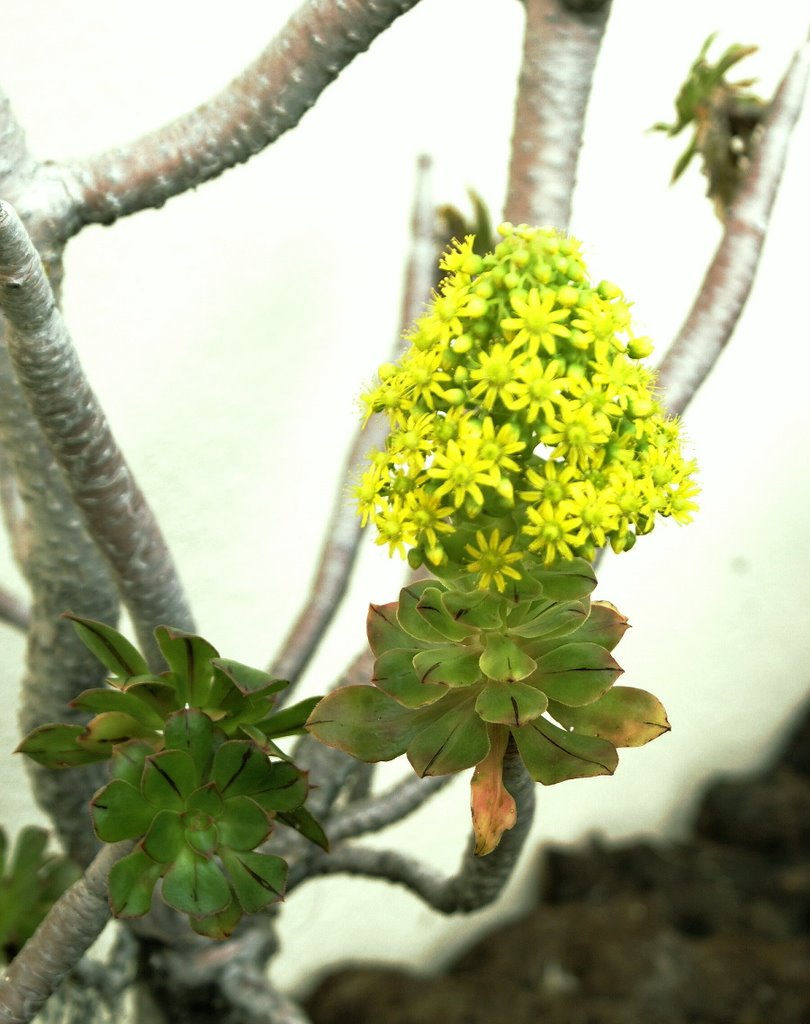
{"x": 525, "y": 434}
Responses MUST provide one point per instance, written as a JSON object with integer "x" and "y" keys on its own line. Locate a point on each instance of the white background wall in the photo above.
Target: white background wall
{"x": 229, "y": 334}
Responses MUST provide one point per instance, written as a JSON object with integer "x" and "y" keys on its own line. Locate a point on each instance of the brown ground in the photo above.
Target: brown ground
{"x": 713, "y": 931}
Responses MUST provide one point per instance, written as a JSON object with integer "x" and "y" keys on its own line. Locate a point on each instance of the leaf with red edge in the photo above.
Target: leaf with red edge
{"x": 120, "y": 812}
{"x": 257, "y": 878}
{"x": 625, "y": 716}
{"x": 56, "y": 746}
{"x": 575, "y": 674}
{"x": 552, "y": 755}
{"x": 364, "y": 722}
{"x": 395, "y": 675}
{"x": 385, "y": 632}
{"x": 112, "y": 649}
{"x": 451, "y": 738}
{"x": 131, "y": 882}
{"x": 195, "y": 885}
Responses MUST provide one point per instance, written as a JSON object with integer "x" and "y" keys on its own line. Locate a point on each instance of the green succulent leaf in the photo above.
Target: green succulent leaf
{"x": 576, "y": 673}
{"x": 520, "y": 591}
{"x": 552, "y": 755}
{"x": 452, "y": 665}
{"x": 477, "y": 608}
{"x": 109, "y": 699}
{"x": 432, "y": 609}
{"x": 550, "y": 619}
{"x": 191, "y": 730}
{"x": 395, "y": 675}
{"x": 203, "y": 840}
{"x": 256, "y": 736}
{"x": 195, "y": 885}
{"x": 289, "y": 721}
{"x": 247, "y": 681}
{"x": 110, "y": 728}
{"x": 365, "y": 722}
{"x": 510, "y": 703}
{"x": 120, "y": 812}
{"x": 241, "y": 769}
{"x": 452, "y": 738}
{"x": 164, "y": 840}
{"x": 604, "y": 626}
{"x": 242, "y": 824}
{"x": 503, "y": 661}
{"x": 29, "y": 850}
{"x": 189, "y": 658}
{"x": 131, "y": 883}
{"x": 257, "y": 878}
{"x": 156, "y": 693}
{"x": 168, "y": 778}
{"x": 306, "y": 825}
{"x": 285, "y": 787}
{"x": 128, "y": 761}
{"x": 624, "y": 716}
{"x": 384, "y": 631}
{"x": 205, "y": 800}
{"x": 415, "y": 624}
{"x": 221, "y": 925}
{"x": 112, "y": 649}
{"x": 566, "y": 580}
{"x": 56, "y": 746}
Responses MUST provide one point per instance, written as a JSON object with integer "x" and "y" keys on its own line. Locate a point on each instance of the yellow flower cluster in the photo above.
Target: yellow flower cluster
{"x": 523, "y": 428}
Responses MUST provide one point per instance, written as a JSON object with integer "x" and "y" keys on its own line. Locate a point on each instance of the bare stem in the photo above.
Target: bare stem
{"x": 379, "y": 811}
{"x": 68, "y": 413}
{"x": 728, "y": 281}
{"x": 343, "y": 531}
{"x": 479, "y": 880}
{"x": 73, "y": 924}
{"x": 560, "y": 50}
{"x": 266, "y": 100}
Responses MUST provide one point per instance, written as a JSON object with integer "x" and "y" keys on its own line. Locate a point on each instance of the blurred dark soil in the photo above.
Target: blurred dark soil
{"x": 712, "y": 931}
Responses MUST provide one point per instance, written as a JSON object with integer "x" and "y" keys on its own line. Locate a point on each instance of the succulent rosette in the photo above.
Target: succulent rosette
{"x": 459, "y": 672}
{"x": 525, "y": 434}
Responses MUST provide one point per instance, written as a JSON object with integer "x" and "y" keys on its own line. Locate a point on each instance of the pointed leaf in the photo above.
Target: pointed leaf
{"x": 240, "y": 769}
{"x": 242, "y": 824}
{"x": 111, "y": 648}
{"x": 416, "y": 625}
{"x": 111, "y": 727}
{"x": 510, "y": 703}
{"x": 250, "y": 682}
{"x": 395, "y": 675}
{"x": 552, "y": 755}
{"x": 552, "y": 619}
{"x": 566, "y": 580}
{"x": 289, "y": 721}
{"x": 504, "y": 661}
{"x": 168, "y": 778}
{"x": 450, "y": 740}
{"x": 604, "y": 626}
{"x": 256, "y": 736}
{"x": 452, "y": 665}
{"x": 108, "y": 699}
{"x": 189, "y": 658}
{"x": 384, "y": 631}
{"x": 159, "y": 693}
{"x": 257, "y": 878}
{"x": 195, "y": 885}
{"x": 493, "y": 808}
{"x": 304, "y": 823}
{"x": 285, "y": 788}
{"x": 191, "y": 730}
{"x": 164, "y": 840}
{"x": 478, "y": 608}
{"x": 128, "y": 761}
{"x": 624, "y": 716}
{"x": 29, "y": 849}
{"x": 576, "y": 674}
{"x": 120, "y": 812}
{"x": 364, "y": 722}
{"x": 130, "y": 884}
{"x": 55, "y": 746}
{"x": 431, "y": 607}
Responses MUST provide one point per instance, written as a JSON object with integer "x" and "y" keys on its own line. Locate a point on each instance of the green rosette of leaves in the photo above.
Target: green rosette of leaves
{"x": 459, "y": 671}
{"x": 31, "y": 880}
{"x": 200, "y": 807}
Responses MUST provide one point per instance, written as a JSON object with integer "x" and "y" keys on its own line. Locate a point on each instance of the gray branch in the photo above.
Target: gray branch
{"x": 73, "y": 924}
{"x": 560, "y": 50}
{"x": 377, "y": 812}
{"x": 343, "y": 531}
{"x": 266, "y": 100}
{"x": 14, "y": 611}
{"x": 477, "y": 883}
{"x": 101, "y": 483}
{"x": 728, "y": 281}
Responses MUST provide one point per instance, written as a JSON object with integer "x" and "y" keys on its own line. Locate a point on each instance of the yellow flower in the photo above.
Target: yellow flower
{"x": 493, "y": 559}
{"x": 463, "y": 472}
{"x": 537, "y": 322}
{"x": 495, "y": 373}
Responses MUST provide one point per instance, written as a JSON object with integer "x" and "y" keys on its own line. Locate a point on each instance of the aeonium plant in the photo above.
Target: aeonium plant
{"x": 196, "y": 776}
{"x": 525, "y": 434}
